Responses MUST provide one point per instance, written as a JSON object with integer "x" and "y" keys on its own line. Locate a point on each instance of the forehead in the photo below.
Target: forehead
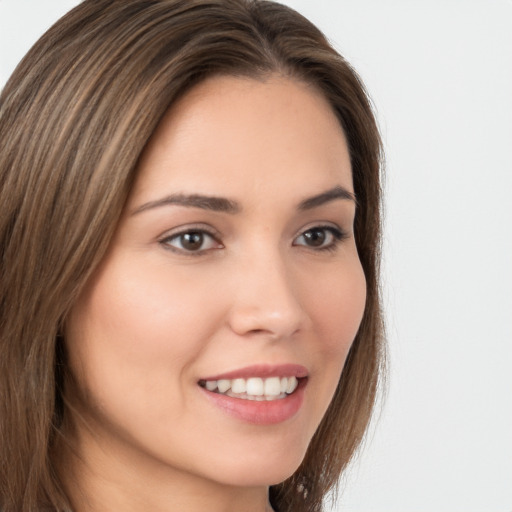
{"x": 235, "y": 136}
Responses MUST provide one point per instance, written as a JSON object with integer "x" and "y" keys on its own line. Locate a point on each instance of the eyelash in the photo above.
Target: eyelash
{"x": 190, "y": 231}
{"x": 337, "y": 235}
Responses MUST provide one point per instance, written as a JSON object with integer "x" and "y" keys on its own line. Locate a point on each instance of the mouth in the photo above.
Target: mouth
{"x": 253, "y": 388}
{"x": 259, "y": 394}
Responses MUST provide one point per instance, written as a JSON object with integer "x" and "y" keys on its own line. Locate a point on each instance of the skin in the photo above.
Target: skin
{"x": 157, "y": 317}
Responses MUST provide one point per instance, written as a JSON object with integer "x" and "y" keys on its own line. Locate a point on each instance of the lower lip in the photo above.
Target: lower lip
{"x": 260, "y": 412}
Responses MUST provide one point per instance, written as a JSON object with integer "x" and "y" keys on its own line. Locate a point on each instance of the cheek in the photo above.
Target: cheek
{"x": 138, "y": 313}
{"x": 132, "y": 333}
{"x": 337, "y": 312}
{"x": 339, "y": 309}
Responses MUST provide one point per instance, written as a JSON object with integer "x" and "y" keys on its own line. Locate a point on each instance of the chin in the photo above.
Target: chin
{"x": 259, "y": 467}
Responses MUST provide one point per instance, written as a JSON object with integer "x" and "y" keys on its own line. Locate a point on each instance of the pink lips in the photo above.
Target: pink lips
{"x": 261, "y": 412}
{"x": 263, "y": 370}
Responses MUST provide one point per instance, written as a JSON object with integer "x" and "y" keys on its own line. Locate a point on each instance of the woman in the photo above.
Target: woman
{"x": 190, "y": 242}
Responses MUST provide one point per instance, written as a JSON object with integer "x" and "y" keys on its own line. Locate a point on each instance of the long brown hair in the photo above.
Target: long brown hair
{"x": 74, "y": 119}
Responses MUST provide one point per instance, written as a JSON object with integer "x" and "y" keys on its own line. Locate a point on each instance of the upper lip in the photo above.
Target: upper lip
{"x": 263, "y": 370}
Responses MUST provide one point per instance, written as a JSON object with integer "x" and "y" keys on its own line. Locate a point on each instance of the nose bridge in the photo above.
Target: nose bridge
{"x": 266, "y": 300}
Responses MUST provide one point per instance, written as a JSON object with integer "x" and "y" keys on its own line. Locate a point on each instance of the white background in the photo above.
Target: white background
{"x": 440, "y": 74}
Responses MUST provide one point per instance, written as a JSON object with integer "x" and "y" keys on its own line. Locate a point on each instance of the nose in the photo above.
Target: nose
{"x": 266, "y": 300}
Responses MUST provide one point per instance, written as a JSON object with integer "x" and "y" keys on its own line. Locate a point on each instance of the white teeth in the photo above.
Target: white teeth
{"x": 211, "y": 385}
{"x": 254, "y": 388}
{"x": 223, "y": 385}
{"x": 292, "y": 385}
{"x": 273, "y": 386}
{"x": 238, "y": 386}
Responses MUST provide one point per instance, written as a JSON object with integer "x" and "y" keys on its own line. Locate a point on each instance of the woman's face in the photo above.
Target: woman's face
{"x": 234, "y": 265}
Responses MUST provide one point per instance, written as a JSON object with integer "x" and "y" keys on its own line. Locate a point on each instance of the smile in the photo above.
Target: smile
{"x": 253, "y": 388}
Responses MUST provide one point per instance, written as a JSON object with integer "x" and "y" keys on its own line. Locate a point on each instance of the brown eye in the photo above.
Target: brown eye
{"x": 193, "y": 241}
{"x": 315, "y": 237}
{"x": 320, "y": 238}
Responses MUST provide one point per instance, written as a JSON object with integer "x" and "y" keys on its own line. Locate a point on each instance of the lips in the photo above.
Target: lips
{"x": 261, "y": 394}
{"x": 263, "y": 371}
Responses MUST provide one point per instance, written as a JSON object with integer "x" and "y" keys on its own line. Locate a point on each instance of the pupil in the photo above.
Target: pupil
{"x": 192, "y": 241}
{"x": 315, "y": 237}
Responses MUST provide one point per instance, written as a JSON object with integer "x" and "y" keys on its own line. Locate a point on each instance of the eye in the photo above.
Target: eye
{"x": 191, "y": 241}
{"x": 320, "y": 238}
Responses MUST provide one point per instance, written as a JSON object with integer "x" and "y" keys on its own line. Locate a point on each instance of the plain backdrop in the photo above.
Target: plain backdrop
{"x": 440, "y": 75}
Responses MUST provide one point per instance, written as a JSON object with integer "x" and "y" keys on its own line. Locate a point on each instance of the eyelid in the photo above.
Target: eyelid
{"x": 335, "y": 230}
{"x": 327, "y": 225}
{"x": 189, "y": 228}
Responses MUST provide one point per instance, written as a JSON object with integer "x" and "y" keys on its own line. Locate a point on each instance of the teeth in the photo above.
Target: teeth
{"x": 273, "y": 386}
{"x": 223, "y": 385}
{"x": 239, "y": 386}
{"x": 211, "y": 385}
{"x": 254, "y": 388}
{"x": 292, "y": 384}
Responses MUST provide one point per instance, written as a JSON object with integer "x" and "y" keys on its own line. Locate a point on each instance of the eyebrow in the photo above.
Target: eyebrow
{"x": 216, "y": 204}
{"x": 337, "y": 192}
{"x": 222, "y": 204}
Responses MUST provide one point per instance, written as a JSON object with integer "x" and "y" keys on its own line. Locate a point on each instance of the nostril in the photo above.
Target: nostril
{"x": 256, "y": 331}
